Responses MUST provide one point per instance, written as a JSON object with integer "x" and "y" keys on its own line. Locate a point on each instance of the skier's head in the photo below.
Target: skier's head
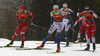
{"x": 21, "y": 8}
{"x": 87, "y": 8}
{"x": 55, "y": 8}
{"x": 65, "y": 5}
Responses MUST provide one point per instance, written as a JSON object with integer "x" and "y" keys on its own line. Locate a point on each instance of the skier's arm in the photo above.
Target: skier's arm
{"x": 76, "y": 22}
{"x": 71, "y": 11}
{"x": 95, "y": 15}
{"x": 29, "y": 13}
{"x": 17, "y": 17}
{"x": 80, "y": 14}
{"x": 52, "y": 19}
{"x": 32, "y": 18}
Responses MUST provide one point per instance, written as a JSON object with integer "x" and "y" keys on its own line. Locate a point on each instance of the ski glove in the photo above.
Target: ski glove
{"x": 78, "y": 10}
{"x": 32, "y": 23}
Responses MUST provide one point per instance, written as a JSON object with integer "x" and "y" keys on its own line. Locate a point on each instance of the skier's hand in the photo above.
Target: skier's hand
{"x": 78, "y": 10}
{"x": 32, "y": 23}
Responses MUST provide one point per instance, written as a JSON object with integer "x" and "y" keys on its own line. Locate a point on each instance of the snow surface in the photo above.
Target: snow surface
{"x": 32, "y": 44}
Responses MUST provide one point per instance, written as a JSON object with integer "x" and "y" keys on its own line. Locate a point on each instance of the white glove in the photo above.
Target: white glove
{"x": 32, "y": 23}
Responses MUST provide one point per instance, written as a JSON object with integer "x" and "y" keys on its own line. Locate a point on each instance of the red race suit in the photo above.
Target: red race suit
{"x": 22, "y": 18}
{"x": 90, "y": 24}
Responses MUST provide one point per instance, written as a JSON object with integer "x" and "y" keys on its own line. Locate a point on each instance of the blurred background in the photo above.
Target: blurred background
{"x": 41, "y": 10}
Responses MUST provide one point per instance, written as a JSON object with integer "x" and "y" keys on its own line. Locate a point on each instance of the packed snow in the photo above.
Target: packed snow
{"x": 33, "y": 44}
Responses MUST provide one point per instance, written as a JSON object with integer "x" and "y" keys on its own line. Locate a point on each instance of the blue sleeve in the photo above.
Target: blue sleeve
{"x": 52, "y": 19}
{"x": 72, "y": 12}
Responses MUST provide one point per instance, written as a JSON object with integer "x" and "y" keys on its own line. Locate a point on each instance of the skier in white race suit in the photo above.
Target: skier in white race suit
{"x": 57, "y": 24}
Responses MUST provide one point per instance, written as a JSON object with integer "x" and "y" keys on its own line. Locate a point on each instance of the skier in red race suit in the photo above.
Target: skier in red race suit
{"x": 22, "y": 19}
{"x": 90, "y": 26}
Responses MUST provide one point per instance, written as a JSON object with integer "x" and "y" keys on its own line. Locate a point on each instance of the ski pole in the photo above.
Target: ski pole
{"x": 71, "y": 20}
{"x": 73, "y": 30}
{"x": 38, "y": 26}
{"x": 31, "y": 29}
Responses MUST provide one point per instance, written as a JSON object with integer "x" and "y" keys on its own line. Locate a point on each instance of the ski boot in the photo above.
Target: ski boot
{"x": 22, "y": 45}
{"x": 10, "y": 43}
{"x": 67, "y": 44}
{"x": 42, "y": 45}
{"x": 94, "y": 47}
{"x": 77, "y": 41}
{"x": 58, "y": 49}
{"x": 87, "y": 48}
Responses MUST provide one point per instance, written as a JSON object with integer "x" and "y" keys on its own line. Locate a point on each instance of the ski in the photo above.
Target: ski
{"x": 8, "y": 46}
{"x": 52, "y": 43}
{"x": 82, "y": 50}
{"x": 33, "y": 49}
{"x": 55, "y": 52}
{"x": 74, "y": 43}
{"x": 60, "y": 43}
{"x": 86, "y": 50}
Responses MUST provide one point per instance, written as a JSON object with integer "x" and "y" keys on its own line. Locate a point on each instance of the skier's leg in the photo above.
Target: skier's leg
{"x": 80, "y": 31}
{"x": 58, "y": 36}
{"x": 79, "y": 34}
{"x": 93, "y": 36}
{"x": 24, "y": 29}
{"x": 88, "y": 38}
{"x": 67, "y": 26}
{"x": 19, "y": 27}
{"x": 58, "y": 41}
{"x": 50, "y": 31}
{"x": 15, "y": 34}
